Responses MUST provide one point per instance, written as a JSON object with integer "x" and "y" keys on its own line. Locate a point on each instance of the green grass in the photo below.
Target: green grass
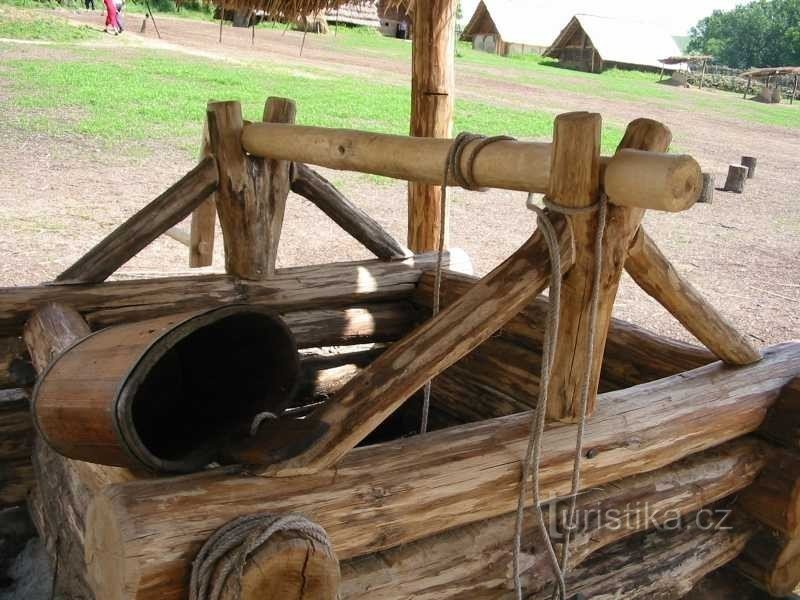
{"x": 43, "y": 28}
{"x": 154, "y": 95}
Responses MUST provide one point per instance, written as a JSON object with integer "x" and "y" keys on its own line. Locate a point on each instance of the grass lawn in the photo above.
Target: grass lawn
{"x": 157, "y": 95}
{"x": 14, "y": 25}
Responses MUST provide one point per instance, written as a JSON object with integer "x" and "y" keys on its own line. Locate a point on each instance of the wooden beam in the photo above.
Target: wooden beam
{"x": 179, "y": 235}
{"x": 570, "y": 363}
{"x": 772, "y": 560}
{"x": 276, "y": 178}
{"x": 17, "y": 434}
{"x": 204, "y": 219}
{"x": 322, "y": 193}
{"x": 670, "y": 182}
{"x": 122, "y": 244}
{"x": 297, "y": 288}
{"x": 394, "y": 493}
{"x": 781, "y": 424}
{"x": 653, "y": 272}
{"x": 474, "y": 561}
{"x": 432, "y": 101}
{"x": 388, "y": 382}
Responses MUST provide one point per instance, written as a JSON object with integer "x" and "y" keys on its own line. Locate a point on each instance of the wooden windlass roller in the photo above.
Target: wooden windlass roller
{"x": 166, "y": 393}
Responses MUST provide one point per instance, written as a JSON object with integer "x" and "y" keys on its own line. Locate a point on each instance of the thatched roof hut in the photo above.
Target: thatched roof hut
{"x": 592, "y": 43}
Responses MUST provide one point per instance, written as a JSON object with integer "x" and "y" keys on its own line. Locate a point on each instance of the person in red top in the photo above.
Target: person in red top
{"x": 111, "y": 17}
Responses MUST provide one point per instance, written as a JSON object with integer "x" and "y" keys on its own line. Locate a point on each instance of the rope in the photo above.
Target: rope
{"x": 227, "y": 550}
{"x": 466, "y": 179}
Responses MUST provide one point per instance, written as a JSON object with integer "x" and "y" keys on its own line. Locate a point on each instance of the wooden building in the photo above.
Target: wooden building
{"x": 509, "y": 27}
{"x": 591, "y": 43}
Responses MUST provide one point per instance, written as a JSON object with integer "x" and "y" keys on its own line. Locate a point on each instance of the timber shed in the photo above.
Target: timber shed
{"x": 592, "y": 43}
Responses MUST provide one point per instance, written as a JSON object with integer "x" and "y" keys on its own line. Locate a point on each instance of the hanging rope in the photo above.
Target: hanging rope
{"x": 530, "y": 468}
{"x": 226, "y": 552}
{"x": 466, "y": 179}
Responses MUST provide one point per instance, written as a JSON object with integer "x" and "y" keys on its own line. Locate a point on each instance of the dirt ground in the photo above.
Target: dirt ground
{"x": 59, "y": 195}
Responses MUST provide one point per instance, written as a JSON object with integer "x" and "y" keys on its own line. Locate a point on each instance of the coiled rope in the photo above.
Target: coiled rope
{"x": 226, "y": 552}
{"x": 532, "y": 460}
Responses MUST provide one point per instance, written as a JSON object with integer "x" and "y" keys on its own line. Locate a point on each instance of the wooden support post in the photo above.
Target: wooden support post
{"x": 653, "y": 272}
{"x": 315, "y": 188}
{"x": 703, "y": 74}
{"x": 403, "y": 369}
{"x": 122, "y": 244}
{"x": 429, "y": 483}
{"x": 747, "y": 89}
{"x": 737, "y": 175}
{"x": 276, "y": 178}
{"x": 64, "y": 487}
{"x": 204, "y": 219}
{"x": 432, "y": 89}
{"x": 707, "y": 193}
{"x": 750, "y": 163}
{"x": 252, "y": 191}
{"x": 794, "y": 90}
{"x": 570, "y": 363}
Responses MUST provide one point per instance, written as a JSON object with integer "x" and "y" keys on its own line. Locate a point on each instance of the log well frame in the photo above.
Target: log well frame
{"x": 352, "y": 302}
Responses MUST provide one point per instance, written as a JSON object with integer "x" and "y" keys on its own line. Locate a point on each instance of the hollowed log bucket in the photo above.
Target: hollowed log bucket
{"x": 166, "y": 394}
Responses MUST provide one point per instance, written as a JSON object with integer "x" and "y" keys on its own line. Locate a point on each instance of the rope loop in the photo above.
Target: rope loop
{"x": 225, "y": 553}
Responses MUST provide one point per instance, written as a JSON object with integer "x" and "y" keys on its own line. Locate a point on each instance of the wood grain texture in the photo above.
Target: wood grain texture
{"x": 122, "y": 244}
{"x": 570, "y": 364}
{"x": 389, "y": 494}
{"x": 297, "y": 288}
{"x": 204, "y": 218}
{"x": 276, "y": 179}
{"x": 774, "y": 499}
{"x": 16, "y": 446}
{"x": 433, "y": 85}
{"x": 510, "y": 165}
{"x": 782, "y": 425}
{"x": 653, "y": 272}
{"x": 435, "y": 345}
{"x": 476, "y": 559}
{"x": 322, "y": 193}
{"x": 772, "y": 560}
{"x": 16, "y": 369}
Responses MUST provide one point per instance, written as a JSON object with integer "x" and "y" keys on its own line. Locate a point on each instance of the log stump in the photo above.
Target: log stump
{"x": 737, "y": 175}
{"x": 707, "y": 192}
{"x": 750, "y": 163}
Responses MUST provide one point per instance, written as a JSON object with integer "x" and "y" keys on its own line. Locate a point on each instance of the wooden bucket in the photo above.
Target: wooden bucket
{"x": 168, "y": 393}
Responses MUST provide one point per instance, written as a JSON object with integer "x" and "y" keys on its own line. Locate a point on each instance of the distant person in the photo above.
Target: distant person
{"x": 120, "y": 6}
{"x": 89, "y": 4}
{"x": 402, "y": 30}
{"x": 111, "y": 17}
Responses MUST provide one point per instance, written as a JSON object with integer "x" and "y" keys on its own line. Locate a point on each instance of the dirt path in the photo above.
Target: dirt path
{"x": 743, "y": 251}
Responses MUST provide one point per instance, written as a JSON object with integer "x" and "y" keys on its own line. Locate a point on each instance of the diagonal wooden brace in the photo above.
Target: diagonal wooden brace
{"x": 403, "y": 369}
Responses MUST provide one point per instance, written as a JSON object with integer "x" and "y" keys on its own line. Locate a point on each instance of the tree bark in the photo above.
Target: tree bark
{"x": 737, "y": 175}
{"x": 390, "y": 494}
{"x": 432, "y": 102}
{"x": 653, "y": 272}
{"x": 369, "y": 233}
{"x": 204, "y": 217}
{"x": 750, "y": 163}
{"x": 707, "y": 195}
{"x": 122, "y": 244}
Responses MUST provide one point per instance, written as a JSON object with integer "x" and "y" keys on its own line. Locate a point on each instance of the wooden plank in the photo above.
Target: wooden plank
{"x": 394, "y": 493}
{"x": 369, "y": 233}
{"x": 653, "y": 272}
{"x": 672, "y": 181}
{"x": 388, "y": 382}
{"x": 570, "y": 364}
{"x": 297, "y": 288}
{"x": 122, "y": 244}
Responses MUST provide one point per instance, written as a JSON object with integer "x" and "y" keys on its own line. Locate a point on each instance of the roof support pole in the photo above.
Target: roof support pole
{"x": 432, "y": 87}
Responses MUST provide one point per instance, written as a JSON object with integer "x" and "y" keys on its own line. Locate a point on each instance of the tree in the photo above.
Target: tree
{"x": 765, "y": 33}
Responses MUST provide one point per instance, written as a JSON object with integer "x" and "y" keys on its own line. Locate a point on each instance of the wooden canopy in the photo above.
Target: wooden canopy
{"x": 686, "y": 58}
{"x": 771, "y": 72}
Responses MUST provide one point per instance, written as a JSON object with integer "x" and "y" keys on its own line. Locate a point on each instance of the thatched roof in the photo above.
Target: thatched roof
{"x": 290, "y": 9}
{"x": 686, "y": 58}
{"x": 356, "y": 13}
{"x": 620, "y": 40}
{"x": 771, "y": 72}
{"x": 528, "y": 22}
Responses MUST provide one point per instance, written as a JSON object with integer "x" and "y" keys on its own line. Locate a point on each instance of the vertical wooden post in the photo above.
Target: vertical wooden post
{"x": 252, "y": 191}
{"x": 432, "y": 86}
{"x": 794, "y": 90}
{"x": 703, "y": 74}
{"x": 622, "y": 223}
{"x": 276, "y": 110}
{"x": 747, "y": 89}
{"x": 204, "y": 220}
